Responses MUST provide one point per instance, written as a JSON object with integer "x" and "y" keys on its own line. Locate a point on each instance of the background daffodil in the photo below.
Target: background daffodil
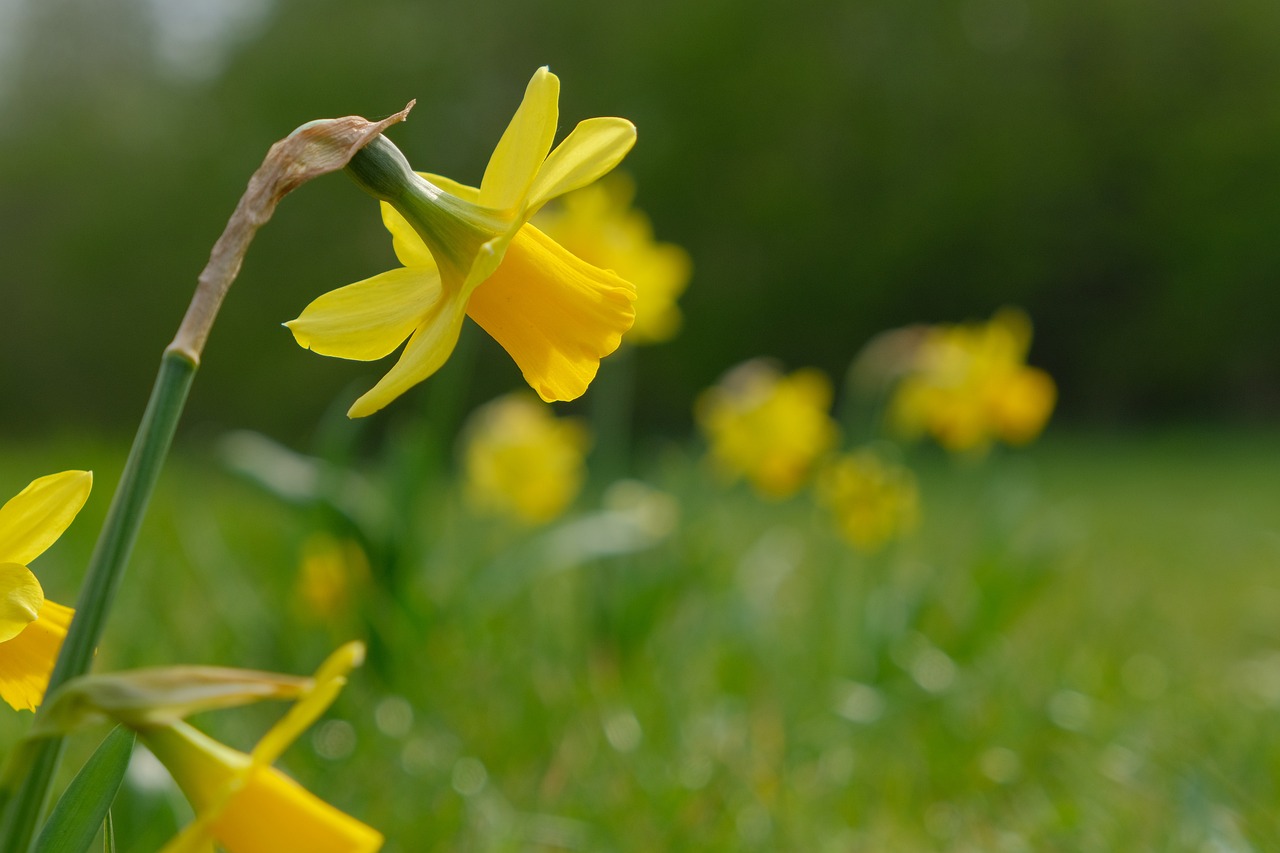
{"x": 471, "y": 251}
{"x": 873, "y": 501}
{"x": 767, "y": 427}
{"x": 523, "y": 462}
{"x": 968, "y": 385}
{"x": 32, "y": 627}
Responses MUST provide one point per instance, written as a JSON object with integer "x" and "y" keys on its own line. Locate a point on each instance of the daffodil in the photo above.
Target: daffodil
{"x": 968, "y": 385}
{"x": 767, "y": 427}
{"x": 521, "y": 461}
{"x": 598, "y": 224}
{"x": 873, "y": 501}
{"x": 330, "y": 573}
{"x": 470, "y": 251}
{"x": 32, "y": 628}
{"x": 245, "y": 805}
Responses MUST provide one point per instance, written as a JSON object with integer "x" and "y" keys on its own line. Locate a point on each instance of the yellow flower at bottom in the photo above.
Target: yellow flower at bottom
{"x": 468, "y": 250}
{"x": 873, "y": 501}
{"x": 521, "y": 461}
{"x": 32, "y": 628}
{"x": 243, "y": 803}
{"x": 767, "y": 427}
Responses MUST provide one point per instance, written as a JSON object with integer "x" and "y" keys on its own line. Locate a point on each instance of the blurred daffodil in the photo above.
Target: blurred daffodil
{"x": 330, "y": 572}
{"x": 598, "y": 224}
{"x": 245, "y": 805}
{"x": 873, "y": 501}
{"x": 32, "y": 628}
{"x": 470, "y": 251}
{"x": 968, "y": 385}
{"x": 521, "y": 461}
{"x": 767, "y": 427}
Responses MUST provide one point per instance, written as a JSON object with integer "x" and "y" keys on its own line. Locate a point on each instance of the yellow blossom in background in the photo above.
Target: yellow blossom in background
{"x": 521, "y": 461}
{"x": 32, "y": 628}
{"x": 968, "y": 385}
{"x": 470, "y": 251}
{"x": 245, "y": 805}
{"x": 330, "y": 572}
{"x": 598, "y": 224}
{"x": 873, "y": 501}
{"x": 767, "y": 427}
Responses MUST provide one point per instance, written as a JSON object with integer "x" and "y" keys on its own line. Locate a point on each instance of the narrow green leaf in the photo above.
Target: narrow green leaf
{"x": 87, "y": 801}
{"x": 109, "y": 834}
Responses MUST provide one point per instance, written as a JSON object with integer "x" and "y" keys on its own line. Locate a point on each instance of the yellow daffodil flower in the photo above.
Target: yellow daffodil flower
{"x": 521, "y": 461}
{"x": 767, "y": 427}
{"x": 244, "y": 804}
{"x": 873, "y": 501}
{"x": 968, "y": 385}
{"x": 598, "y": 224}
{"x": 470, "y": 251}
{"x": 32, "y": 628}
{"x": 330, "y": 573}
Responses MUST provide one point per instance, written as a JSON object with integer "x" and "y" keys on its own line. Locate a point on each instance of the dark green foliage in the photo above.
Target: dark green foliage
{"x": 844, "y": 167}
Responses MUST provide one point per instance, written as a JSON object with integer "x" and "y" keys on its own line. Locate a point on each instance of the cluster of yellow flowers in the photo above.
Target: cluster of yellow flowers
{"x": 968, "y": 385}
{"x": 776, "y": 431}
{"x": 559, "y": 296}
{"x": 465, "y": 251}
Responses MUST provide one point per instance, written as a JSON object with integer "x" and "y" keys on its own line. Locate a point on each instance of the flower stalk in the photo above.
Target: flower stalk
{"x": 314, "y": 149}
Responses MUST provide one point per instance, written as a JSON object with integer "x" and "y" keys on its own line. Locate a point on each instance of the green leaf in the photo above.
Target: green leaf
{"x": 87, "y": 801}
{"x": 109, "y": 834}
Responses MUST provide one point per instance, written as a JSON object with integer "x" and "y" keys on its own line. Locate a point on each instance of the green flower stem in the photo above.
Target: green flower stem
{"x": 314, "y": 149}
{"x": 102, "y": 580}
{"x": 612, "y": 410}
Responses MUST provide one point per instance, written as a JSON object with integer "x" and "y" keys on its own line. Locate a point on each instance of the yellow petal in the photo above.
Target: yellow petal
{"x": 555, "y": 314}
{"x": 449, "y": 185}
{"x": 34, "y": 519}
{"x": 20, "y": 599}
{"x": 194, "y": 839}
{"x": 524, "y": 144}
{"x": 425, "y": 353}
{"x": 247, "y": 807}
{"x": 27, "y": 660}
{"x": 272, "y": 813}
{"x": 405, "y": 242}
{"x": 593, "y": 148}
{"x": 369, "y": 319}
{"x": 328, "y": 682}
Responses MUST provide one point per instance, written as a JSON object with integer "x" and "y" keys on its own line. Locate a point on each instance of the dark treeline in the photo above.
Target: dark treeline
{"x": 834, "y": 169}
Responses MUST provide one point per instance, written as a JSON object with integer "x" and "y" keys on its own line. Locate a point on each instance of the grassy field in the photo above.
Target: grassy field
{"x": 1078, "y": 650}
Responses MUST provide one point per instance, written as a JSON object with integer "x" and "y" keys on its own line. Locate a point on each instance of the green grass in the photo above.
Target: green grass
{"x": 1079, "y": 650}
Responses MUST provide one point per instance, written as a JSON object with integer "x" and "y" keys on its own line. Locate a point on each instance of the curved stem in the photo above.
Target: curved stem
{"x": 316, "y": 148}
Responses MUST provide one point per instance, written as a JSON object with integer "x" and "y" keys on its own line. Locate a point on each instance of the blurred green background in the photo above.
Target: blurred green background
{"x": 1077, "y": 650}
{"x": 834, "y": 168}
